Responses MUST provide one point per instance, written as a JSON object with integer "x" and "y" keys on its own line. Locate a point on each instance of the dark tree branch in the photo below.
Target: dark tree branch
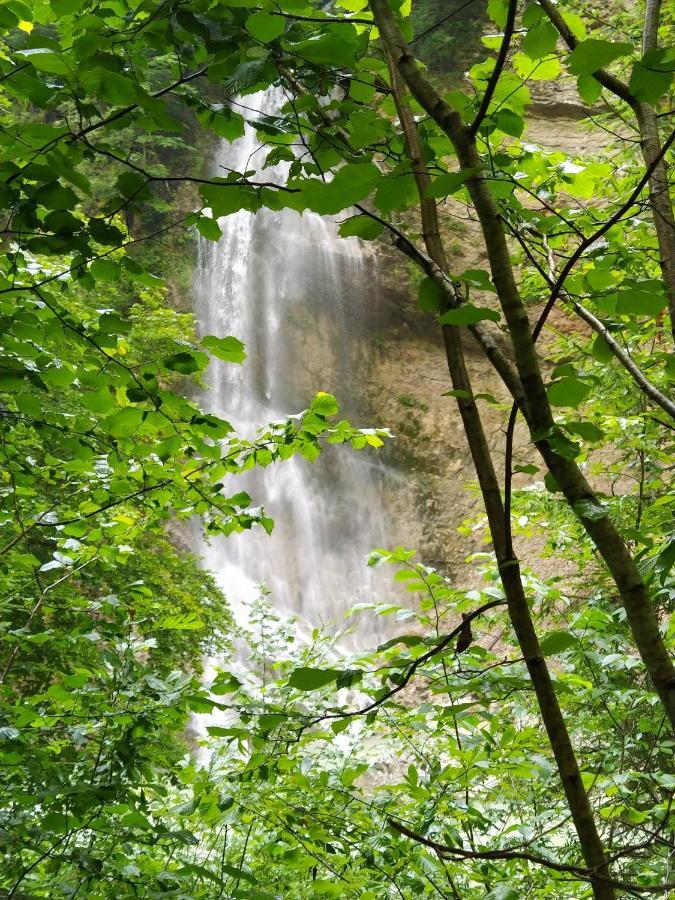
{"x": 584, "y": 874}
{"x": 499, "y": 67}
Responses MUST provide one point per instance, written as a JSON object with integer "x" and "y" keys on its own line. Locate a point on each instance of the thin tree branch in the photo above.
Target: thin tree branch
{"x": 584, "y": 874}
{"x": 496, "y": 74}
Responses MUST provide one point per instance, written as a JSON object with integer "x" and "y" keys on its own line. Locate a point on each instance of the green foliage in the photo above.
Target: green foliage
{"x": 123, "y": 774}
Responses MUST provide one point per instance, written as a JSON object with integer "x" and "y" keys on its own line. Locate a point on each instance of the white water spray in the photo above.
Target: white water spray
{"x": 297, "y": 295}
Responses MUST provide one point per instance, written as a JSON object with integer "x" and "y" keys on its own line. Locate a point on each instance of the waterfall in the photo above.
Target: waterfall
{"x": 297, "y": 295}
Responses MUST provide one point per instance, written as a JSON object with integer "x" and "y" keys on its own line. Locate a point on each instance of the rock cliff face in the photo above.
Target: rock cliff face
{"x": 403, "y": 385}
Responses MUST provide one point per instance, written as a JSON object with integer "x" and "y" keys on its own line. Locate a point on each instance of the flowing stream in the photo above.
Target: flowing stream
{"x": 298, "y": 296}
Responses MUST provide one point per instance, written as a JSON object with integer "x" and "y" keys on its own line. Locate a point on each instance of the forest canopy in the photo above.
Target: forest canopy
{"x": 437, "y": 764}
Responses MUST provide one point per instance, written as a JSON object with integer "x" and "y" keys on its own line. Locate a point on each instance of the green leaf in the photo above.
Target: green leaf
{"x": 352, "y": 183}
{"x": 366, "y": 127}
{"x": 362, "y": 227}
{"x": 575, "y": 23}
{"x": 586, "y": 430}
{"x": 589, "y": 88}
{"x": 533, "y": 13}
{"x": 229, "y": 349}
{"x": 431, "y": 295}
{"x": 335, "y": 46}
{"x": 540, "y": 40}
{"x": 186, "y": 363}
{"x": 467, "y": 314}
{"x": 130, "y": 184}
{"x": 601, "y": 350}
{"x": 227, "y": 197}
{"x": 593, "y": 54}
{"x": 123, "y": 423}
{"x": 308, "y": 679}
{"x": 188, "y": 622}
{"x": 324, "y": 405}
{"x": 652, "y": 75}
{"x": 589, "y": 509}
{"x": 479, "y": 279}
{"x": 529, "y": 469}
{"x": 209, "y": 228}
{"x": 551, "y": 484}
{"x": 498, "y": 11}
{"x": 66, "y": 7}
{"x": 503, "y": 892}
{"x": 509, "y": 122}
{"x": 558, "y": 441}
{"x": 459, "y": 394}
{"x": 105, "y": 270}
{"x": 120, "y": 90}
{"x": 397, "y": 191}
{"x": 113, "y": 323}
{"x": 56, "y": 196}
{"x": 226, "y": 124}
{"x": 100, "y": 401}
{"x": 45, "y": 60}
{"x": 568, "y": 391}
{"x": 634, "y": 302}
{"x": 265, "y": 27}
{"x": 449, "y": 182}
{"x": 557, "y": 642}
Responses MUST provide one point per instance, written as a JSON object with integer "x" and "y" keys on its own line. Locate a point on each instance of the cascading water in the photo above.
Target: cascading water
{"x": 296, "y": 294}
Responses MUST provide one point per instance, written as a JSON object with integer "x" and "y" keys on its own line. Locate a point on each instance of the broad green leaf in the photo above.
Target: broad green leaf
{"x": 652, "y": 75}
{"x": 634, "y": 302}
{"x": 123, "y": 423}
{"x": 361, "y": 226}
{"x": 45, "y": 60}
{"x": 190, "y": 622}
{"x": 509, "y": 122}
{"x": 503, "y": 892}
{"x": 324, "y": 405}
{"x": 467, "y": 314}
{"x": 366, "y": 128}
{"x": 431, "y": 295}
{"x": 265, "y": 27}
{"x": 589, "y": 88}
{"x": 593, "y": 54}
{"x": 601, "y": 350}
{"x": 396, "y": 191}
{"x": 66, "y": 7}
{"x": 568, "y": 391}
{"x": 186, "y": 362}
{"x": 209, "y": 228}
{"x": 334, "y": 46}
{"x": 113, "y": 323}
{"x": 352, "y": 183}
{"x": 590, "y": 509}
{"x": 589, "y": 431}
{"x": 227, "y": 197}
{"x": 479, "y": 279}
{"x": 497, "y": 10}
{"x": 309, "y": 679}
{"x": 449, "y": 183}
{"x": 229, "y": 349}
{"x": 105, "y": 270}
{"x": 540, "y": 40}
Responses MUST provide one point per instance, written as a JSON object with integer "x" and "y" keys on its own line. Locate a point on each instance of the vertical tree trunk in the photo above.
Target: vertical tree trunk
{"x": 659, "y": 188}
